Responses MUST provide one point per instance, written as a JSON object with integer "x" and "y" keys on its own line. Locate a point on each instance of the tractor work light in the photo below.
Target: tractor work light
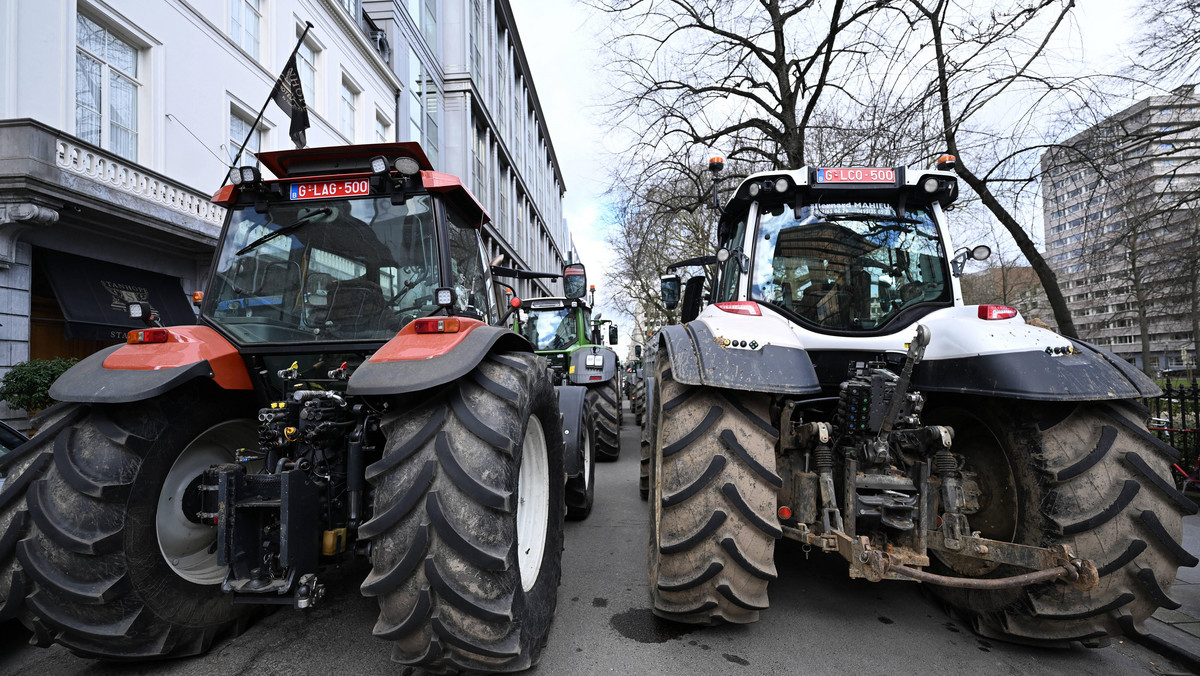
{"x": 250, "y": 175}
{"x": 781, "y": 185}
{"x": 379, "y": 164}
{"x": 754, "y": 189}
{"x": 444, "y": 296}
{"x": 997, "y": 312}
{"x": 407, "y": 166}
{"x": 930, "y": 185}
{"x": 235, "y": 176}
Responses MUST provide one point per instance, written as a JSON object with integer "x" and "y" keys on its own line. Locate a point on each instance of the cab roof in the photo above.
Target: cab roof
{"x": 356, "y": 159}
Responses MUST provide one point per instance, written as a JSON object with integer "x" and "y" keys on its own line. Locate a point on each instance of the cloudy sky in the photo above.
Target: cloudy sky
{"x": 560, "y": 41}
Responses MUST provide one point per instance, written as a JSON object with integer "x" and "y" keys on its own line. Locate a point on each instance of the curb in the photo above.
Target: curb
{"x": 1158, "y": 638}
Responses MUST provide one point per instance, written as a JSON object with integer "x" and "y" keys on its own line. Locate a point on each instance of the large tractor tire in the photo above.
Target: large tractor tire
{"x": 581, "y": 490}
{"x": 19, "y": 469}
{"x": 713, "y": 495}
{"x": 119, "y": 568}
{"x": 1086, "y": 475}
{"x": 603, "y": 403}
{"x": 467, "y": 533}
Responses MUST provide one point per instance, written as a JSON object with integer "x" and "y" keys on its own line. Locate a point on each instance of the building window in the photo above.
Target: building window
{"x": 244, "y": 19}
{"x": 349, "y": 109}
{"x": 239, "y": 130}
{"x": 383, "y": 130}
{"x": 106, "y": 89}
{"x": 306, "y": 63}
{"x": 430, "y": 139}
{"x": 477, "y": 42}
{"x": 479, "y": 155}
{"x": 423, "y": 105}
{"x": 429, "y": 23}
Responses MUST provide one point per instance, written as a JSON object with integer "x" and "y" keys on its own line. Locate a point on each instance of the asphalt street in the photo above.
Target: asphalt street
{"x": 820, "y": 622}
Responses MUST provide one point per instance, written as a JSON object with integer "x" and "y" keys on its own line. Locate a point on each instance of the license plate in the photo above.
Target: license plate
{"x": 850, "y": 175}
{"x": 326, "y": 189}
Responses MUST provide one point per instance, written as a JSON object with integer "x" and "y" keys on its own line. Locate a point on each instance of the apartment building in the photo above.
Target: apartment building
{"x": 118, "y": 119}
{"x": 1121, "y": 227}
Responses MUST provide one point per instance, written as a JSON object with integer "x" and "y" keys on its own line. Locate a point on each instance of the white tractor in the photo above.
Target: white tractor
{"x": 837, "y": 391}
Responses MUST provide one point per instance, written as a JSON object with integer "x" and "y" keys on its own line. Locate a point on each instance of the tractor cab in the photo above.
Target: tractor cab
{"x": 839, "y": 250}
{"x": 349, "y": 245}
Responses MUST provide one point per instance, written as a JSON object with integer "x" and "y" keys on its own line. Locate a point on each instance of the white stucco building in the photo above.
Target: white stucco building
{"x": 118, "y": 118}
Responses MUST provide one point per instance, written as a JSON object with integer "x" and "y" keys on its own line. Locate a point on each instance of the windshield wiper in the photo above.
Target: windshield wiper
{"x": 863, "y": 216}
{"x": 303, "y": 220}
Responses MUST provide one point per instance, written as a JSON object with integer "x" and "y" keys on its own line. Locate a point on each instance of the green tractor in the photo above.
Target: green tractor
{"x": 564, "y": 331}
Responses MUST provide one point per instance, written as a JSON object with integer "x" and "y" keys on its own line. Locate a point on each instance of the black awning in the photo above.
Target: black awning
{"x": 93, "y": 295}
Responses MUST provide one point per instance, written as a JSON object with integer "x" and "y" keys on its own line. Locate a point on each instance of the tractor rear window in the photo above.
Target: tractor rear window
{"x": 334, "y": 270}
{"x": 551, "y": 329}
{"x": 848, "y": 266}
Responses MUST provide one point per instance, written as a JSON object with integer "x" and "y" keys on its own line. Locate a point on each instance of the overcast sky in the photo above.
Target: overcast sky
{"x": 560, "y": 41}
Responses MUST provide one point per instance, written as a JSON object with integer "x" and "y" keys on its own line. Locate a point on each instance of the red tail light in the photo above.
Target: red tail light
{"x": 436, "y": 325}
{"x": 741, "y": 307}
{"x": 147, "y": 336}
{"x": 997, "y": 312}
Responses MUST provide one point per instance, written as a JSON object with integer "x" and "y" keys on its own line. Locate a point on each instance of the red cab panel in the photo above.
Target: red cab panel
{"x": 186, "y": 345}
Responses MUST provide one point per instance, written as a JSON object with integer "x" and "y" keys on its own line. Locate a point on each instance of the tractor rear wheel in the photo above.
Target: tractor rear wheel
{"x": 18, "y": 470}
{"x": 467, "y": 532}
{"x": 581, "y": 490}
{"x": 713, "y": 494}
{"x": 1086, "y": 475}
{"x": 602, "y": 401}
{"x": 119, "y": 569}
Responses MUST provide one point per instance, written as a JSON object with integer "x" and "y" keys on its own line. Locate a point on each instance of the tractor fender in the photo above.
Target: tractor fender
{"x": 571, "y": 406}
{"x": 1086, "y": 373}
{"x": 582, "y": 374}
{"x": 411, "y": 362}
{"x": 697, "y": 358}
{"x": 125, "y": 373}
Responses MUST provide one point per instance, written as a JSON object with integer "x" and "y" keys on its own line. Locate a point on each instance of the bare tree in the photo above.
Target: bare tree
{"x": 1169, "y": 46}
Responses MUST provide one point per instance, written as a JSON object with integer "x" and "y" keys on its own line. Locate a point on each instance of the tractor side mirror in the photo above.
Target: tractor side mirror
{"x": 612, "y": 334}
{"x": 670, "y": 291}
{"x": 692, "y": 299}
{"x": 979, "y": 253}
{"x": 575, "y": 281}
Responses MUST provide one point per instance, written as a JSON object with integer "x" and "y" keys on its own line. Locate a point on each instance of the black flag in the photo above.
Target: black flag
{"x": 290, "y": 97}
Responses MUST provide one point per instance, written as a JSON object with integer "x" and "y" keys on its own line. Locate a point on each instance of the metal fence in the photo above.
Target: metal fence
{"x": 1174, "y": 419}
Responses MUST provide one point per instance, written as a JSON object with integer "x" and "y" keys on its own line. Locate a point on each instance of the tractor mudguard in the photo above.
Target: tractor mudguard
{"x": 1087, "y": 373}
{"x": 582, "y": 374}
{"x": 411, "y": 362}
{"x": 125, "y": 373}
{"x": 570, "y": 405}
{"x": 698, "y": 359}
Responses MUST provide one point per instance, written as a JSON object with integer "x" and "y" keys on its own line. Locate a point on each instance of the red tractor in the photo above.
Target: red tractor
{"x": 347, "y": 390}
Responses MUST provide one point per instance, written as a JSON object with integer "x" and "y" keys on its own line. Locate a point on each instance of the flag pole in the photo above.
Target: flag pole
{"x": 261, "y": 111}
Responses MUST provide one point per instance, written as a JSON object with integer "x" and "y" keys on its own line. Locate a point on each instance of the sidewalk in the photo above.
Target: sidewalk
{"x": 1176, "y": 633}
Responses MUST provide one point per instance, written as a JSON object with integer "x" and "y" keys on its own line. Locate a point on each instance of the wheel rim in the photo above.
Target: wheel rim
{"x": 533, "y": 503}
{"x": 587, "y": 459}
{"x": 189, "y": 547}
{"x": 998, "y": 513}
